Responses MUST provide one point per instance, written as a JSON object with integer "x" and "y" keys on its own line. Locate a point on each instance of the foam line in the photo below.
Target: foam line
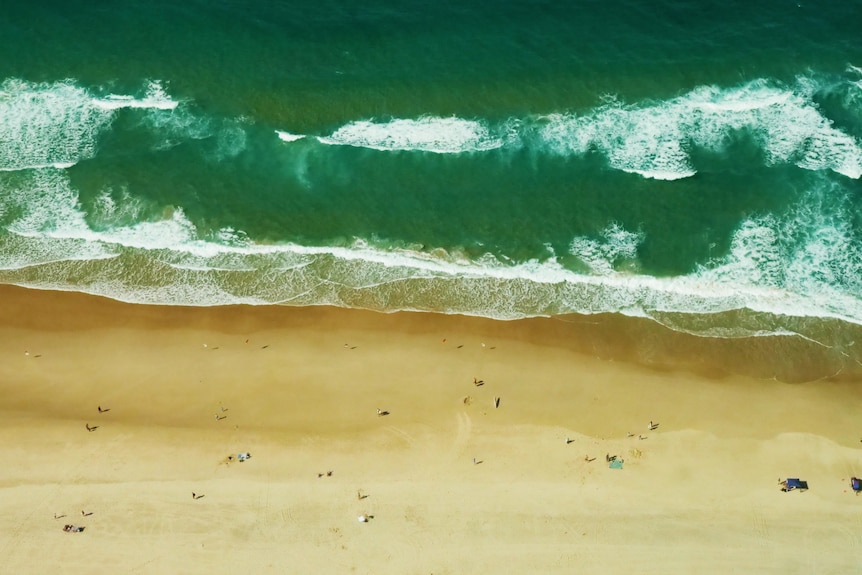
{"x": 310, "y": 275}
{"x": 288, "y": 137}
{"x": 803, "y": 263}
{"x": 55, "y": 165}
{"x": 427, "y": 134}
{"x": 155, "y": 98}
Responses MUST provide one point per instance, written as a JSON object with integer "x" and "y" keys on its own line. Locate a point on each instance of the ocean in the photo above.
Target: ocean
{"x": 693, "y": 163}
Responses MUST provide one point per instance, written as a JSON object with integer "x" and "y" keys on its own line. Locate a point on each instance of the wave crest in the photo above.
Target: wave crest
{"x": 59, "y": 124}
{"x": 427, "y": 134}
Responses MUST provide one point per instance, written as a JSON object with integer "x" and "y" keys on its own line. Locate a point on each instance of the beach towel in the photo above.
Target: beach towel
{"x": 616, "y": 464}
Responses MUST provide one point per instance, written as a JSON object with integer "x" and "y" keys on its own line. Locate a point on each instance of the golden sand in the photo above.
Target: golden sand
{"x": 491, "y": 458}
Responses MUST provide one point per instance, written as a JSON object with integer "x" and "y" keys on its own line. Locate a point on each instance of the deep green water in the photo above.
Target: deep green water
{"x": 694, "y": 162}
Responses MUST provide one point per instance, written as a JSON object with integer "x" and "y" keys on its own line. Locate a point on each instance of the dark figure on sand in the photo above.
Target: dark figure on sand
{"x": 93, "y": 428}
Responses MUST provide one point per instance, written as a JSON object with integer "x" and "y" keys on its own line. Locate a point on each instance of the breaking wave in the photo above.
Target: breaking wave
{"x": 804, "y": 263}
{"x": 59, "y": 124}
{"x": 652, "y": 139}
{"x": 428, "y": 134}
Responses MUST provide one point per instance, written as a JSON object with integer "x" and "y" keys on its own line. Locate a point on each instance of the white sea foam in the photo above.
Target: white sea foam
{"x": 55, "y": 165}
{"x": 154, "y": 98}
{"x": 654, "y": 139}
{"x": 47, "y": 124}
{"x": 288, "y": 137}
{"x": 858, "y": 71}
{"x": 47, "y": 206}
{"x": 614, "y": 246}
{"x": 637, "y": 141}
{"x": 58, "y": 124}
{"x": 428, "y": 134}
{"x": 362, "y": 275}
{"x": 803, "y": 263}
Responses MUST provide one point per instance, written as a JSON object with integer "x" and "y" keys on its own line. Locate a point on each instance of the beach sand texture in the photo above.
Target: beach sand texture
{"x": 450, "y": 483}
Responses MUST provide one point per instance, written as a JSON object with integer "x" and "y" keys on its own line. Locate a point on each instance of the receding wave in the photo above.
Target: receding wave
{"x": 802, "y": 264}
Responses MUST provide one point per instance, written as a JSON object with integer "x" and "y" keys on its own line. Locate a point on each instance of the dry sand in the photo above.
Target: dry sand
{"x": 300, "y": 390}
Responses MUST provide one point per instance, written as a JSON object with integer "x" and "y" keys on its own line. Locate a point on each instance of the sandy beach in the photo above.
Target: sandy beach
{"x": 472, "y": 446}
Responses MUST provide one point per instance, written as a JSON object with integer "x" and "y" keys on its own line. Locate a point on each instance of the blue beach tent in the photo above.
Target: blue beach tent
{"x": 856, "y": 484}
{"x": 792, "y": 483}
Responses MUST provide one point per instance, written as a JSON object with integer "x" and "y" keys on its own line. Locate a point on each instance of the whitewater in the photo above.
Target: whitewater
{"x": 802, "y": 262}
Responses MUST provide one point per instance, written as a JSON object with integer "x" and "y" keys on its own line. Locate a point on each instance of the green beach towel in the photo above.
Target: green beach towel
{"x": 616, "y": 464}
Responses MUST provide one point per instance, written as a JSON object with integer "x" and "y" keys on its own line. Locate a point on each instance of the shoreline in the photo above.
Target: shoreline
{"x": 301, "y": 387}
{"x": 791, "y": 358}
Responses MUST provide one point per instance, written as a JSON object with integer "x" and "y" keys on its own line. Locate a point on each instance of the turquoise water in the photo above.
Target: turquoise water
{"x": 697, "y": 163}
